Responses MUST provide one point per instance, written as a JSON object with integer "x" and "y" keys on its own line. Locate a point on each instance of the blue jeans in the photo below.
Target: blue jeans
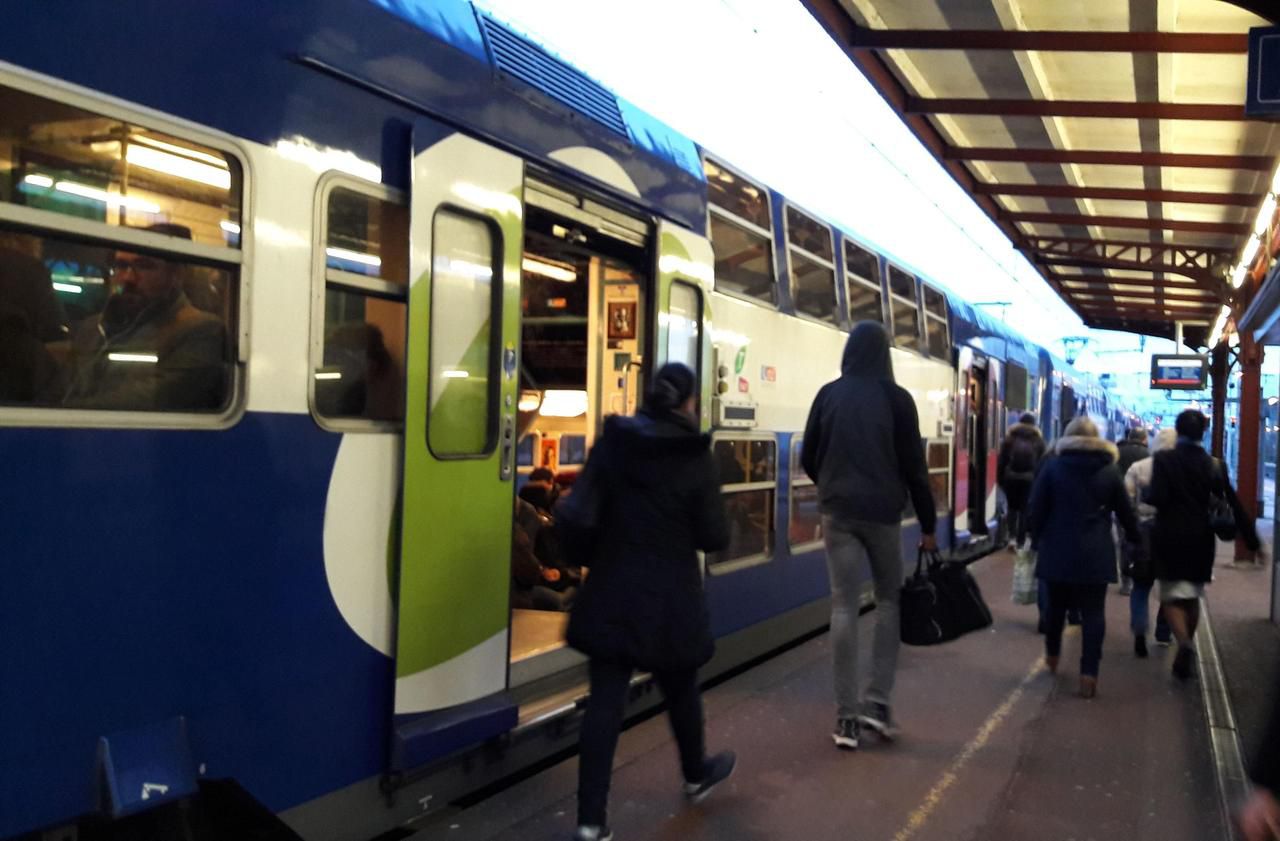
{"x": 1140, "y": 612}
{"x": 1091, "y": 601}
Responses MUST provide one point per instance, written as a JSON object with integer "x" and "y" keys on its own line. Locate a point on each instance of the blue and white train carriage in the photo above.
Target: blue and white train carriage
{"x": 290, "y": 302}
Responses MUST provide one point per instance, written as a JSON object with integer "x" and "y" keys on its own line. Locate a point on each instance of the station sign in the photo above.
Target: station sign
{"x": 1263, "y": 96}
{"x": 1181, "y": 372}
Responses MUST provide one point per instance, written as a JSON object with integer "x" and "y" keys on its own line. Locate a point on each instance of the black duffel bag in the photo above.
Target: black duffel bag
{"x": 940, "y": 602}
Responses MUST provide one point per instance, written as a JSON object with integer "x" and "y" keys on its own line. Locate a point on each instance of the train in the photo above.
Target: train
{"x": 293, "y": 302}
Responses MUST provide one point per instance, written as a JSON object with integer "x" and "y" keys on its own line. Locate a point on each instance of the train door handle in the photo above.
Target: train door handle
{"x": 507, "y": 447}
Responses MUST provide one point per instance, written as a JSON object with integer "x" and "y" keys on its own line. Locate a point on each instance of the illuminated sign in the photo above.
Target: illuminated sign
{"x": 1185, "y": 373}
{"x": 1263, "y": 95}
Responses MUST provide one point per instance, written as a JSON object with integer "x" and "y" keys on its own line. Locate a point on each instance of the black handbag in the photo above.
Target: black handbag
{"x": 940, "y": 601}
{"x": 1222, "y": 519}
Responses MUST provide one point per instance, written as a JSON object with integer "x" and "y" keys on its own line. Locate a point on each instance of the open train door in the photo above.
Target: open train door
{"x": 686, "y": 275}
{"x": 466, "y": 239}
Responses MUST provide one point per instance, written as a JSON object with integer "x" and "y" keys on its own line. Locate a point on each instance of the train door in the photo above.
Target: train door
{"x": 466, "y": 239}
{"x": 995, "y": 429}
{"x": 972, "y": 407}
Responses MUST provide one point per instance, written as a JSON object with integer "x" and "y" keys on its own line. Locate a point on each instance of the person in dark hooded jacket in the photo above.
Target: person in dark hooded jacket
{"x": 862, "y": 447}
{"x": 1020, "y": 455}
{"x": 1070, "y": 511}
{"x": 647, "y": 501}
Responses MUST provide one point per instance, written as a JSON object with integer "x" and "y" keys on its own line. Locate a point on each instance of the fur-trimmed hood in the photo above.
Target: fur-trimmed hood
{"x": 1086, "y": 444}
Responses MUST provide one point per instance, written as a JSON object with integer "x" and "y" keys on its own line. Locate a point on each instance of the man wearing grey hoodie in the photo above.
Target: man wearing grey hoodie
{"x": 862, "y": 447}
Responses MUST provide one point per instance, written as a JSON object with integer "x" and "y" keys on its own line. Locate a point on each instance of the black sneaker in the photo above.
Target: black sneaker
{"x": 593, "y": 833}
{"x": 846, "y": 733}
{"x": 716, "y": 770}
{"x": 1184, "y": 663}
{"x": 875, "y": 715}
{"x": 1140, "y": 646}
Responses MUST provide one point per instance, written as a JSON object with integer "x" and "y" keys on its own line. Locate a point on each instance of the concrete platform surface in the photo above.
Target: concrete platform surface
{"x": 993, "y": 747}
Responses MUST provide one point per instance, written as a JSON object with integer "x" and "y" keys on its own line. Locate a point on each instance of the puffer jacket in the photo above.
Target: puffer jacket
{"x": 1137, "y": 479}
{"x": 646, "y": 502}
{"x": 1072, "y": 501}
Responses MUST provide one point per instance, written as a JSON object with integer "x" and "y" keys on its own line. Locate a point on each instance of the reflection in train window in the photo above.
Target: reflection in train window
{"x": 805, "y": 528}
{"x": 359, "y": 378}
{"x": 748, "y": 467}
{"x": 744, "y": 261}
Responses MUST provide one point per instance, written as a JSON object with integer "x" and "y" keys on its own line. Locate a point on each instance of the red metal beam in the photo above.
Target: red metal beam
{"x": 1258, "y": 163}
{"x": 1062, "y": 191}
{"x": 1086, "y": 280}
{"x": 1156, "y": 224}
{"x": 1196, "y": 254}
{"x": 1004, "y": 39}
{"x": 1101, "y": 294}
{"x": 1076, "y": 108}
{"x": 1091, "y": 262}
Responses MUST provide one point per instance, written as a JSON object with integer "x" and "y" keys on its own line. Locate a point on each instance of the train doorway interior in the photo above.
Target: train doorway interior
{"x": 583, "y": 294}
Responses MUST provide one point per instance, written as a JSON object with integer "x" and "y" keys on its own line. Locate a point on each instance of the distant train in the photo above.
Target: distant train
{"x": 291, "y": 304}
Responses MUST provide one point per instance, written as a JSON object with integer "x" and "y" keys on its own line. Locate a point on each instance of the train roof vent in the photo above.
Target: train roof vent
{"x": 516, "y": 56}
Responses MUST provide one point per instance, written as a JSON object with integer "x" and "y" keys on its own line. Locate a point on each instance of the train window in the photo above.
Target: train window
{"x": 748, "y": 471}
{"x": 463, "y": 319}
{"x": 905, "y": 311}
{"x": 805, "y": 529}
{"x": 736, "y": 195}
{"x": 935, "y": 303}
{"x": 860, "y": 262}
{"x": 1015, "y": 389}
{"x": 358, "y": 378}
{"x": 813, "y": 274}
{"x": 803, "y": 231}
{"x": 864, "y": 302}
{"x": 683, "y": 320}
{"x": 121, "y": 290}
{"x": 939, "y": 459}
{"x": 72, "y": 162}
{"x": 744, "y": 260}
{"x": 935, "y": 323}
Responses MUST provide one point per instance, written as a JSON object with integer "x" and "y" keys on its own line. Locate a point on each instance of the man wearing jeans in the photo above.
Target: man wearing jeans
{"x": 862, "y": 447}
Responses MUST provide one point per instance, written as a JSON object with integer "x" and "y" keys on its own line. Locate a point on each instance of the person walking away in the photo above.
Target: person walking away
{"x": 1137, "y": 479}
{"x": 1020, "y": 454}
{"x": 647, "y": 500}
{"x": 1259, "y": 817}
{"x": 1071, "y": 506}
{"x": 862, "y": 447}
{"x": 1133, "y": 449}
{"x": 1183, "y": 542}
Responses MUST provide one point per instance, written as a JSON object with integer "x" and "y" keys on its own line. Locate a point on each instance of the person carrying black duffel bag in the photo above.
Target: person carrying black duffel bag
{"x": 1070, "y": 511}
{"x": 941, "y": 601}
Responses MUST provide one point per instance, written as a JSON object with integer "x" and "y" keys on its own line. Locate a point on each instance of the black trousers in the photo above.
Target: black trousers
{"x": 1016, "y": 494}
{"x": 603, "y": 721}
{"x": 1091, "y": 601}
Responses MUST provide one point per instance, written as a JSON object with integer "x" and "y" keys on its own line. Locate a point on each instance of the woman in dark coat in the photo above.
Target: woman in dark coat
{"x": 1183, "y": 544}
{"x": 1070, "y": 511}
{"x": 647, "y": 501}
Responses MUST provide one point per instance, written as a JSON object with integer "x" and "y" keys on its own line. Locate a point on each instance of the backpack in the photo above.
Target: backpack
{"x": 1022, "y": 460}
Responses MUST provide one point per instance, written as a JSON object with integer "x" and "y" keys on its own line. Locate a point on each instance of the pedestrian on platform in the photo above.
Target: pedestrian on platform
{"x": 862, "y": 448}
{"x": 647, "y": 500}
{"x": 1020, "y": 454}
{"x": 1133, "y": 449}
{"x": 1137, "y": 479}
{"x": 1183, "y": 543}
{"x": 1070, "y": 511}
{"x": 1259, "y": 818}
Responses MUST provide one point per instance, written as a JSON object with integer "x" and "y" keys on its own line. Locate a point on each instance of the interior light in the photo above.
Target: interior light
{"x": 354, "y": 256}
{"x": 464, "y": 268}
{"x": 556, "y": 271}
{"x": 529, "y": 401}
{"x": 1238, "y": 276}
{"x": 1265, "y": 214}
{"x": 1275, "y": 181}
{"x": 229, "y": 226}
{"x": 454, "y": 374}
{"x": 179, "y": 167}
{"x": 67, "y": 287}
{"x": 194, "y": 154}
{"x": 564, "y": 403}
{"x": 133, "y": 357}
{"x": 1250, "y": 251}
{"x": 328, "y": 375}
{"x": 110, "y": 199}
{"x": 38, "y": 180}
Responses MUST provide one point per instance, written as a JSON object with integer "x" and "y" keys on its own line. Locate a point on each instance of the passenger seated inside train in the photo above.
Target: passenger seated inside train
{"x": 150, "y": 349}
{"x": 541, "y": 490}
{"x": 368, "y": 380}
{"x": 30, "y": 316}
{"x": 537, "y": 583}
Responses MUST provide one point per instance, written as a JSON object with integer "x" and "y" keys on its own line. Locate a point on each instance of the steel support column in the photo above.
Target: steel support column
{"x": 1249, "y": 431}
{"x": 1219, "y": 370}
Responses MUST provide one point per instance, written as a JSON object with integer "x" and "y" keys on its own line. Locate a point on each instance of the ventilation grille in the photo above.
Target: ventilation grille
{"x": 516, "y": 56}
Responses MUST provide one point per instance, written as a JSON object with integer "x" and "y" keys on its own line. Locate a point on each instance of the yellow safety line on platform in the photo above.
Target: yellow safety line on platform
{"x": 933, "y": 799}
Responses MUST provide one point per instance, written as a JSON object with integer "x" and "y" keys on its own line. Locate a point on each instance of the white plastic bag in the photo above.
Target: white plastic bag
{"x": 1024, "y": 577}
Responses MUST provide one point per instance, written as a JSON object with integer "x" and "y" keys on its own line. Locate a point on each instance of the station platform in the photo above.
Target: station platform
{"x": 992, "y": 746}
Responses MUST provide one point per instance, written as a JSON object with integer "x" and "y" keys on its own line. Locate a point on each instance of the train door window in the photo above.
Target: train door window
{"x": 905, "y": 310}
{"x": 938, "y": 454}
{"x": 741, "y": 228}
{"x": 120, "y": 264}
{"x": 359, "y": 340}
{"x": 748, "y": 480}
{"x": 805, "y": 529}
{"x": 464, "y": 300}
{"x": 684, "y": 315}
{"x": 1015, "y": 389}
{"x": 862, "y": 279}
{"x": 813, "y": 272}
{"x": 935, "y": 323}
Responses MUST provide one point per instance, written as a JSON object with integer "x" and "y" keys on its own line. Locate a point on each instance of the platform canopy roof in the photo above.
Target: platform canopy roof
{"x": 1106, "y": 138}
